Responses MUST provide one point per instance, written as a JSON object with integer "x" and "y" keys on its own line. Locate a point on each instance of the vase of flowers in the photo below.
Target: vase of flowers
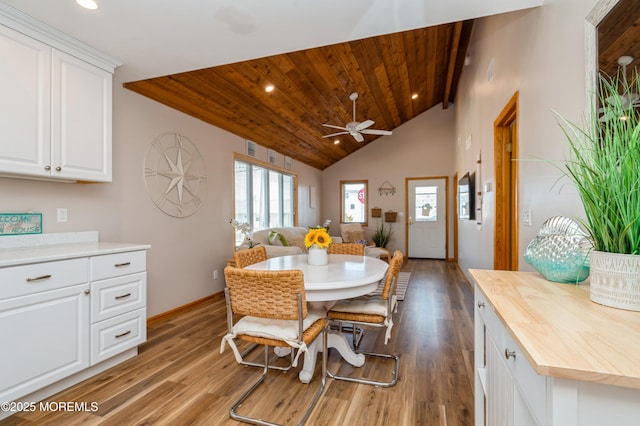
{"x": 245, "y": 229}
{"x": 317, "y": 241}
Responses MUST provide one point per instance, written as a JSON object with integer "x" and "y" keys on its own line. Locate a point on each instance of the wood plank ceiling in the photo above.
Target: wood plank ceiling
{"x": 619, "y": 35}
{"x": 312, "y": 87}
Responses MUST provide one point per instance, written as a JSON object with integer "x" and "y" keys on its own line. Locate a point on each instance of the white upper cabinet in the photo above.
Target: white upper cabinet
{"x": 80, "y": 120}
{"x": 56, "y": 104}
{"x": 25, "y": 119}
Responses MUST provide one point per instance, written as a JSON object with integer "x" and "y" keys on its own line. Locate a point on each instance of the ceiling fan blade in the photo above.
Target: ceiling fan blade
{"x": 364, "y": 125}
{"x": 335, "y": 134}
{"x": 335, "y": 127}
{"x": 377, "y": 132}
{"x": 357, "y": 136}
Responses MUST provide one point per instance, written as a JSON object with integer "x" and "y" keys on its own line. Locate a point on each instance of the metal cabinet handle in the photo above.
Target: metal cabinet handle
{"x": 120, "y": 265}
{"x": 40, "y": 278}
{"x": 123, "y": 296}
{"x": 47, "y": 168}
{"x": 87, "y": 292}
{"x": 123, "y": 334}
{"x": 508, "y": 354}
{"x": 481, "y": 304}
{"x": 58, "y": 169}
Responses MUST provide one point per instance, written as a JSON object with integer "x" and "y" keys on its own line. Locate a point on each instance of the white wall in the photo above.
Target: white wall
{"x": 184, "y": 251}
{"x": 540, "y": 53}
{"x": 422, "y": 147}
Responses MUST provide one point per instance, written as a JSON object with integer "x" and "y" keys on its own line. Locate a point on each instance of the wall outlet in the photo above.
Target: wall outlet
{"x": 62, "y": 215}
{"x": 215, "y": 274}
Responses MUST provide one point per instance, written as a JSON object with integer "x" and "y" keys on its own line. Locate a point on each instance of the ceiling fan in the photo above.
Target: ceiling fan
{"x": 626, "y": 100}
{"x": 355, "y": 128}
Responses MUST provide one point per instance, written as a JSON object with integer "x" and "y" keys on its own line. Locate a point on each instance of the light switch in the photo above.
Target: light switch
{"x": 62, "y": 215}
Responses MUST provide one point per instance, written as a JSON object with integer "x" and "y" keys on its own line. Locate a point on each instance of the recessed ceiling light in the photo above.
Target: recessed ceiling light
{"x": 269, "y": 88}
{"x": 336, "y": 142}
{"x": 414, "y": 96}
{"x": 88, "y": 4}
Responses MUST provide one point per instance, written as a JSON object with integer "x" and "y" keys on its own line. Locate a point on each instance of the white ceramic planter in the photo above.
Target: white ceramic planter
{"x": 318, "y": 256}
{"x": 615, "y": 280}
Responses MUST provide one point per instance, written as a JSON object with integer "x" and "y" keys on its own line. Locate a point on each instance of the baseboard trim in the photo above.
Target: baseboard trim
{"x": 464, "y": 276}
{"x": 161, "y": 316}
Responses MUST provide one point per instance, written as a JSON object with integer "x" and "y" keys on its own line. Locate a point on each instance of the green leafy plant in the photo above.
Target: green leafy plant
{"x": 604, "y": 165}
{"x": 382, "y": 235}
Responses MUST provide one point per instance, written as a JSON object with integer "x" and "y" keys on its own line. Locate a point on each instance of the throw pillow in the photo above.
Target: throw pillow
{"x": 355, "y": 236}
{"x": 277, "y": 239}
{"x": 298, "y": 242}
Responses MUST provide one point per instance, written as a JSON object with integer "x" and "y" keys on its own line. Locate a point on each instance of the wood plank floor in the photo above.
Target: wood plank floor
{"x": 180, "y": 377}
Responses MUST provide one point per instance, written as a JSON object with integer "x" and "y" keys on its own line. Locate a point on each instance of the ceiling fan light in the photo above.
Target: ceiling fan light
{"x": 414, "y": 96}
{"x": 336, "y": 142}
{"x": 269, "y": 88}
{"x": 88, "y": 4}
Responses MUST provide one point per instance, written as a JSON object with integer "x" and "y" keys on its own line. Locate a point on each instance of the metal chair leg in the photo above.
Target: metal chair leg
{"x": 257, "y": 364}
{"x": 385, "y": 384}
{"x": 251, "y": 420}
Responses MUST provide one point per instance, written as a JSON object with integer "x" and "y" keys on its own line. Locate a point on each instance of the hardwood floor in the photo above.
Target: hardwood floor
{"x": 180, "y": 377}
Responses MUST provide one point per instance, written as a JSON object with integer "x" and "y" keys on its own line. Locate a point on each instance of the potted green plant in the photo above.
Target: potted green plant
{"x": 426, "y": 209}
{"x": 382, "y": 235}
{"x": 604, "y": 165}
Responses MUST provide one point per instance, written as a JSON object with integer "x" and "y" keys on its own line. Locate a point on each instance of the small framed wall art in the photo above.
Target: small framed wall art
{"x": 20, "y": 223}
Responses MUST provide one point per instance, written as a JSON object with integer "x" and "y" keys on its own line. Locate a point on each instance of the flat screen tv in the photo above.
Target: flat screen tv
{"x": 467, "y": 197}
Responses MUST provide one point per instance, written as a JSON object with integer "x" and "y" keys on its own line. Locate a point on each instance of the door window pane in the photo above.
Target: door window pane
{"x": 426, "y": 203}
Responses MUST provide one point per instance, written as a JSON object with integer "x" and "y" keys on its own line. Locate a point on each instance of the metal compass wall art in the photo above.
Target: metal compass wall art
{"x": 175, "y": 175}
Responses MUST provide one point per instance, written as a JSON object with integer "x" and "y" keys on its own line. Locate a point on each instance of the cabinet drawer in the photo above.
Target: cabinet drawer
{"x": 117, "y": 296}
{"x": 532, "y": 386}
{"x": 115, "y": 335}
{"x": 29, "y": 279}
{"x": 485, "y": 311}
{"x": 117, "y": 264}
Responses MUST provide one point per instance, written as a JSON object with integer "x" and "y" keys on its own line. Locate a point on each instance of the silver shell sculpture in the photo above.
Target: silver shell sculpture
{"x": 560, "y": 251}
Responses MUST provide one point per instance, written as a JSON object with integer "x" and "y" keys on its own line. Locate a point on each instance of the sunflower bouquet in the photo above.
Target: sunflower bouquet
{"x": 317, "y": 237}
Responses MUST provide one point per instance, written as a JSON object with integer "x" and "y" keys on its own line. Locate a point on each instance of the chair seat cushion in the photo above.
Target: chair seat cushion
{"x": 286, "y": 330}
{"x": 368, "y": 305}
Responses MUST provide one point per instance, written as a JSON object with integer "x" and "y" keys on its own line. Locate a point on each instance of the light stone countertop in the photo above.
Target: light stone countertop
{"x": 27, "y": 249}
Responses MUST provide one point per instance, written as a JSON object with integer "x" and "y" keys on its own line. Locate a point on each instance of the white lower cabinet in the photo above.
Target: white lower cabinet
{"x": 44, "y": 318}
{"x": 508, "y": 391}
{"x": 58, "y": 321}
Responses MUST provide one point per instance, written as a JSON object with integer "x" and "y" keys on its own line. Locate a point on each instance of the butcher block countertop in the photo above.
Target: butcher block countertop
{"x": 561, "y": 331}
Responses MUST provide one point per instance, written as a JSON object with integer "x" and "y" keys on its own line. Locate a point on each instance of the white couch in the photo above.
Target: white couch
{"x": 293, "y": 242}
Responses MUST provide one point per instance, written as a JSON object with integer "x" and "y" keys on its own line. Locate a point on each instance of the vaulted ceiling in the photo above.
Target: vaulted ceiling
{"x": 312, "y": 87}
{"x": 618, "y": 35}
{"x": 199, "y": 57}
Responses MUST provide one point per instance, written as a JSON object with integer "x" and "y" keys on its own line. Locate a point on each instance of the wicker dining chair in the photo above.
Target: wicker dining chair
{"x": 274, "y": 309}
{"x": 346, "y": 248}
{"x": 375, "y": 311}
{"x": 246, "y": 257}
{"x": 242, "y": 259}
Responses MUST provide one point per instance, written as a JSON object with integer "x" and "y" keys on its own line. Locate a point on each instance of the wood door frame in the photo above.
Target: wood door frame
{"x": 455, "y": 218}
{"x": 446, "y": 215}
{"x": 506, "y": 243}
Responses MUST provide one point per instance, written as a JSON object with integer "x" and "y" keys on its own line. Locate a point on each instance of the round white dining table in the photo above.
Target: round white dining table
{"x": 345, "y": 276}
